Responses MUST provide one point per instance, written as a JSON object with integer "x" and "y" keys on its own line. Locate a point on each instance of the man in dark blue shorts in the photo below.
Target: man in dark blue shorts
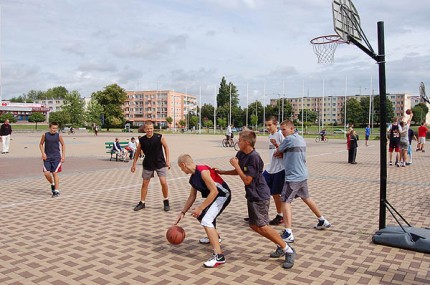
{"x": 50, "y": 145}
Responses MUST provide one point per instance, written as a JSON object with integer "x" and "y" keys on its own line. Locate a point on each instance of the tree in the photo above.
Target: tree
{"x": 389, "y": 110}
{"x": 58, "y": 92}
{"x": 208, "y": 111}
{"x": 111, "y": 99}
{"x": 93, "y": 113}
{"x": 353, "y": 111}
{"x": 256, "y": 109}
{"x": 222, "y": 122}
{"x": 36, "y": 117}
{"x": 74, "y": 105}
{"x": 7, "y": 116}
{"x": 194, "y": 121}
{"x": 309, "y": 116}
{"x": 33, "y": 95}
{"x": 223, "y": 96}
{"x": 182, "y": 123}
{"x": 169, "y": 120}
{"x": 208, "y": 123}
{"x": 420, "y": 112}
{"x": 61, "y": 117}
{"x": 254, "y": 120}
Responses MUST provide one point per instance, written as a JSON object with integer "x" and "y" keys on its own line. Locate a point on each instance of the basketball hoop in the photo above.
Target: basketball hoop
{"x": 325, "y": 46}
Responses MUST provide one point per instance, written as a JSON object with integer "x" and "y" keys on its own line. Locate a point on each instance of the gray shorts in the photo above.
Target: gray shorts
{"x": 294, "y": 190}
{"x": 148, "y": 174}
{"x": 404, "y": 145}
{"x": 258, "y": 213}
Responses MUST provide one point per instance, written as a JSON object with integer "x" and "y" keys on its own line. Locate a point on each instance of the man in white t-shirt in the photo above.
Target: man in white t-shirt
{"x": 274, "y": 172}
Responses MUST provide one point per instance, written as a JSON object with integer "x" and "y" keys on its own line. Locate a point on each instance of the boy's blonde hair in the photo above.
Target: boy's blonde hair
{"x": 249, "y": 136}
{"x": 185, "y": 158}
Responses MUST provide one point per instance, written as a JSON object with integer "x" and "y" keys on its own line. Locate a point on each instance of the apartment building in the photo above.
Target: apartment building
{"x": 157, "y": 105}
{"x": 330, "y": 108}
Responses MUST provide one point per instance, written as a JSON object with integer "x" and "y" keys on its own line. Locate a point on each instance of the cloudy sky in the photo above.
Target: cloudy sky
{"x": 261, "y": 46}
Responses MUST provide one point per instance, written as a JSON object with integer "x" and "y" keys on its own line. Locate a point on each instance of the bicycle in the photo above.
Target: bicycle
{"x": 230, "y": 143}
{"x": 318, "y": 139}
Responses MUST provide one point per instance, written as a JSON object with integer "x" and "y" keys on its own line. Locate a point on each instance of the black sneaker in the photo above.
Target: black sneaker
{"x": 289, "y": 259}
{"x": 246, "y": 219}
{"x": 139, "y": 206}
{"x": 277, "y": 220}
{"x": 166, "y": 205}
{"x": 55, "y": 193}
{"x": 277, "y": 253}
{"x": 52, "y": 188}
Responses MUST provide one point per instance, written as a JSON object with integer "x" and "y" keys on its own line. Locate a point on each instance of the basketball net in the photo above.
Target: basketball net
{"x": 325, "y": 46}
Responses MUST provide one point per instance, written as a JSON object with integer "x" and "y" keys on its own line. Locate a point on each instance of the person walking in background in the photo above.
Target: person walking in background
{"x": 152, "y": 146}
{"x": 367, "y": 134}
{"x": 96, "y": 130}
{"x": 422, "y": 133}
{"x": 293, "y": 151}
{"x": 53, "y": 152}
{"x": 5, "y": 132}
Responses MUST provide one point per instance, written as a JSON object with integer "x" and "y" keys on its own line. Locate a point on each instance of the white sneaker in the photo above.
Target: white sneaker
{"x": 205, "y": 240}
{"x": 322, "y": 225}
{"x": 214, "y": 261}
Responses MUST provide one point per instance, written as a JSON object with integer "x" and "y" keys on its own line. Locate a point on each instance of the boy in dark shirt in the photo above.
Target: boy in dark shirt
{"x": 52, "y": 156}
{"x": 249, "y": 166}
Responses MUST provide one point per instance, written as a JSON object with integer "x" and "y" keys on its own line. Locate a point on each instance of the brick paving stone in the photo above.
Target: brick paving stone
{"x": 91, "y": 235}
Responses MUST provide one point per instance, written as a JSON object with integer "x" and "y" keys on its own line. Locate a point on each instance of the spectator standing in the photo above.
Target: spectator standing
{"x": 422, "y": 132}
{"x": 367, "y": 134}
{"x": 5, "y": 132}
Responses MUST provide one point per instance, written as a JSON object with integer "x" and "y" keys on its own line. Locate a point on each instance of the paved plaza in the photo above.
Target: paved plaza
{"x": 91, "y": 235}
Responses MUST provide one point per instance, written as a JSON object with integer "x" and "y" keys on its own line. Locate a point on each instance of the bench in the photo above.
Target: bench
{"x": 109, "y": 147}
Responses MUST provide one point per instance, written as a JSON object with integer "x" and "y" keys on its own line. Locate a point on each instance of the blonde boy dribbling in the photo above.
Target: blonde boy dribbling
{"x": 249, "y": 166}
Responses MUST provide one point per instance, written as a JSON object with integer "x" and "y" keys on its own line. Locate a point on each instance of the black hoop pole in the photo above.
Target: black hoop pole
{"x": 382, "y": 127}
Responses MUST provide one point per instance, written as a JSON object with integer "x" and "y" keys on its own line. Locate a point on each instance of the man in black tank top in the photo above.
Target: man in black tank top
{"x": 151, "y": 146}
{"x": 52, "y": 156}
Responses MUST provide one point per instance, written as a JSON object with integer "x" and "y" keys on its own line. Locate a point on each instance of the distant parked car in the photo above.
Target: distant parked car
{"x": 339, "y": 131}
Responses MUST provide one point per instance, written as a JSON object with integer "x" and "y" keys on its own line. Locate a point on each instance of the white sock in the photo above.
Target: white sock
{"x": 166, "y": 199}
{"x": 287, "y": 249}
{"x": 288, "y": 230}
{"x": 280, "y": 214}
{"x": 142, "y": 201}
{"x": 321, "y": 218}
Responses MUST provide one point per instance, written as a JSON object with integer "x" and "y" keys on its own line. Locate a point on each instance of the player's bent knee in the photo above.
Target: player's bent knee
{"x": 207, "y": 223}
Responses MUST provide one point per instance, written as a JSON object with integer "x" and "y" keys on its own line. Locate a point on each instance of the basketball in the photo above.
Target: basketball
{"x": 175, "y": 235}
{"x": 408, "y": 111}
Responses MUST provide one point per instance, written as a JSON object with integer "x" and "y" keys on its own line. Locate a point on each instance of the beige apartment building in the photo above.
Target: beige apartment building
{"x": 157, "y": 105}
{"x": 330, "y": 108}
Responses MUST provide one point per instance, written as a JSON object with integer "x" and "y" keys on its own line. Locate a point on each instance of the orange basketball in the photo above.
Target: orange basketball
{"x": 408, "y": 111}
{"x": 175, "y": 235}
